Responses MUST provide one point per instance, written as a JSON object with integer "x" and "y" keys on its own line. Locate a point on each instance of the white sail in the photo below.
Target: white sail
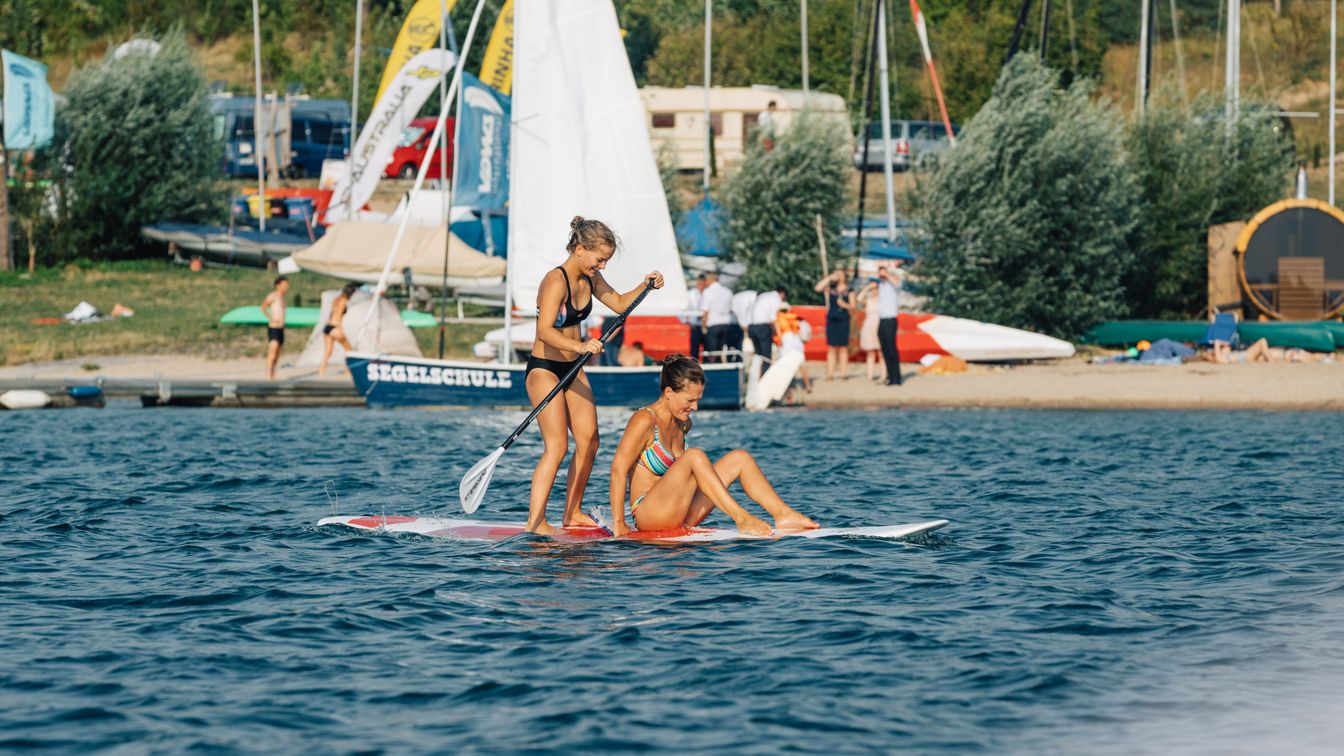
{"x": 581, "y": 147}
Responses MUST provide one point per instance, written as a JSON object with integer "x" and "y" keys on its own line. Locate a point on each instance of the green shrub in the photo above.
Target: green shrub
{"x": 1027, "y": 219}
{"x": 773, "y": 197}
{"x": 1194, "y": 172}
{"x": 138, "y": 142}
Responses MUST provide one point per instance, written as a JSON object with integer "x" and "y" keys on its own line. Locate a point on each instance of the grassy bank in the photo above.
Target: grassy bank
{"x": 176, "y": 312}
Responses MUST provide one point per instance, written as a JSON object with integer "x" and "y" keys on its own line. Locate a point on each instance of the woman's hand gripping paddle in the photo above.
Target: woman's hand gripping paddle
{"x": 477, "y": 480}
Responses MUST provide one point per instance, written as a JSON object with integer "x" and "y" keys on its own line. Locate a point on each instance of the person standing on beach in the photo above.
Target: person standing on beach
{"x": 697, "y": 328}
{"x": 716, "y": 303}
{"x": 564, "y": 299}
{"x": 333, "y": 332}
{"x": 762, "y": 326}
{"x": 273, "y": 307}
{"x": 839, "y": 306}
{"x": 868, "y": 341}
{"x": 888, "y": 305}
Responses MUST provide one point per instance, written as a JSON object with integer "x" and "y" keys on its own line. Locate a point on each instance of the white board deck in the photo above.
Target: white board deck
{"x": 479, "y": 530}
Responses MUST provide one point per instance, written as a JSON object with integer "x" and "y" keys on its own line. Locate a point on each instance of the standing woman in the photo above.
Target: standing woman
{"x": 839, "y": 305}
{"x": 868, "y": 341}
{"x": 564, "y": 298}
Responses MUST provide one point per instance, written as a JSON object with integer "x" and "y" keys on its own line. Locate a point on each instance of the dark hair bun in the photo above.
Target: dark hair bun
{"x": 574, "y": 224}
{"x": 672, "y": 358}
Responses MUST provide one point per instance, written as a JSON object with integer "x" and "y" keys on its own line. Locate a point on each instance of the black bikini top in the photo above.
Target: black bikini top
{"x": 569, "y": 315}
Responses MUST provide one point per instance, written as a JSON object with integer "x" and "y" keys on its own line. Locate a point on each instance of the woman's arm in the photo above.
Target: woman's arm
{"x": 623, "y": 463}
{"x": 847, "y": 301}
{"x": 550, "y": 294}
{"x": 824, "y": 282}
{"x": 617, "y": 301}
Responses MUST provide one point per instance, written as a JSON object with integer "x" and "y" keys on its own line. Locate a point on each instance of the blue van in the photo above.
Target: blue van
{"x": 319, "y": 130}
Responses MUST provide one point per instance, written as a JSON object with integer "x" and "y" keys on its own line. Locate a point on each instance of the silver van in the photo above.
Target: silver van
{"x": 911, "y": 143}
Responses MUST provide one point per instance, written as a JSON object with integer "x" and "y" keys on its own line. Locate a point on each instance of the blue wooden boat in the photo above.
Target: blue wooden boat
{"x": 393, "y": 381}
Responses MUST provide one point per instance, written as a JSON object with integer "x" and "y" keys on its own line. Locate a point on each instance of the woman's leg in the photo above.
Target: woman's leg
{"x": 554, "y": 424}
{"x": 328, "y": 343}
{"x": 832, "y": 357}
{"x": 844, "y": 362}
{"x": 872, "y": 364}
{"x": 740, "y": 465}
{"x": 339, "y": 333}
{"x": 665, "y": 505}
{"x": 583, "y": 424}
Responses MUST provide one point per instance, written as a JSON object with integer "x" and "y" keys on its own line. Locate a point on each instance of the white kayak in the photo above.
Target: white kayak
{"x": 478, "y": 530}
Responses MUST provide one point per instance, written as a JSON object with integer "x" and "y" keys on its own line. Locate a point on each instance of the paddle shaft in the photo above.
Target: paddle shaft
{"x": 574, "y": 371}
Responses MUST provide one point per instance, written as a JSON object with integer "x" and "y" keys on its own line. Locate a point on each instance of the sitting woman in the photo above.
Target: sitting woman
{"x": 671, "y": 486}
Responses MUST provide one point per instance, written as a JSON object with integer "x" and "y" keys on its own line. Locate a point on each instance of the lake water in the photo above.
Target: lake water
{"x": 1111, "y": 582}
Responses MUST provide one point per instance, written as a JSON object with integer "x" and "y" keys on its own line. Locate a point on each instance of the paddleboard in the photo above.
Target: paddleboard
{"x": 306, "y": 317}
{"x": 478, "y": 530}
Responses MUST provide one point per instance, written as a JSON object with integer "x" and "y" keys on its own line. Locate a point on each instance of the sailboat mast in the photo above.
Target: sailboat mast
{"x": 257, "y": 141}
{"x": 1233, "y": 67}
{"x": 865, "y": 125}
{"x": 803, "y": 31}
{"x": 1141, "y": 95}
{"x": 886, "y": 117}
{"x": 1334, "y": 16}
{"x": 709, "y": 125}
{"x": 354, "y": 87}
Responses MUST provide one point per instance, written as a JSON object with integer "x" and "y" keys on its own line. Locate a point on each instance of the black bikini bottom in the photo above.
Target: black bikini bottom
{"x": 561, "y": 368}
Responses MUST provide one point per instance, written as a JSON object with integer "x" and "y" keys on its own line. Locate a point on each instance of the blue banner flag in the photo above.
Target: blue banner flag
{"x": 482, "y": 147}
{"x": 28, "y": 108}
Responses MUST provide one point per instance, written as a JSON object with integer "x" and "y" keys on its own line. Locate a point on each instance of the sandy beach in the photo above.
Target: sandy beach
{"x": 1069, "y": 384}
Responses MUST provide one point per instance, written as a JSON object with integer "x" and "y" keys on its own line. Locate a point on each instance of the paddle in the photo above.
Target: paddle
{"x": 477, "y": 479}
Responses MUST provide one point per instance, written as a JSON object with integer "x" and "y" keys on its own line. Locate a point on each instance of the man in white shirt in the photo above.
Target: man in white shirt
{"x": 716, "y": 303}
{"x": 888, "y": 301}
{"x": 762, "y": 326}
{"x": 697, "y": 328}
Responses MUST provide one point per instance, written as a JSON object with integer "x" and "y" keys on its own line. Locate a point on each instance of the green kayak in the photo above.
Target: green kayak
{"x": 1316, "y": 336}
{"x": 306, "y": 317}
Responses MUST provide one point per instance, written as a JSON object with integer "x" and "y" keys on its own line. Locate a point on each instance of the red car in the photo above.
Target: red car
{"x": 411, "y": 149}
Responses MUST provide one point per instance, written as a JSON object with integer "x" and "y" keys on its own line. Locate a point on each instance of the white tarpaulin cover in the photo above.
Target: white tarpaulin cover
{"x": 380, "y": 332}
{"x": 378, "y": 139}
{"x": 356, "y": 252}
{"x": 581, "y": 147}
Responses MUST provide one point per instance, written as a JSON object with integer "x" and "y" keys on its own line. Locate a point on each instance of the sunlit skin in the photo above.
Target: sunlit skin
{"x": 693, "y": 486}
{"x": 573, "y": 412}
{"x": 273, "y": 307}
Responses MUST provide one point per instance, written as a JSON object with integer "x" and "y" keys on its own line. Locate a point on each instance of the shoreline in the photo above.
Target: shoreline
{"x": 1066, "y": 384}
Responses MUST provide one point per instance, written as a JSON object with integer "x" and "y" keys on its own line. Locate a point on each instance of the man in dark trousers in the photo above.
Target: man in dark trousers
{"x": 888, "y": 298}
{"x": 697, "y": 327}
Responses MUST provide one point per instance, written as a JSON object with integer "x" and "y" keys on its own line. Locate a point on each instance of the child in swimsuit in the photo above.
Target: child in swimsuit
{"x": 674, "y": 487}
{"x": 564, "y": 299}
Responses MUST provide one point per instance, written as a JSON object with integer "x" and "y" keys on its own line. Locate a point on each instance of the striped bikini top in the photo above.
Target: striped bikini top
{"x": 656, "y": 457}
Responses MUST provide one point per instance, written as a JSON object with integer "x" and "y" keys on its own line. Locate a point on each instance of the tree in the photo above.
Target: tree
{"x": 140, "y": 149}
{"x": 773, "y": 197}
{"x": 1027, "y": 219}
{"x": 1193, "y": 172}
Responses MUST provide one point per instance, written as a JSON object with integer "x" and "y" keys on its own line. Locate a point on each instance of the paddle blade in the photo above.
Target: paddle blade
{"x": 477, "y": 480}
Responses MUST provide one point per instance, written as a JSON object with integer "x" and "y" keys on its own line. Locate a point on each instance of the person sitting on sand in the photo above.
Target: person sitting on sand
{"x": 790, "y": 338}
{"x": 671, "y": 486}
{"x": 273, "y": 307}
{"x": 633, "y": 356}
{"x": 332, "y": 332}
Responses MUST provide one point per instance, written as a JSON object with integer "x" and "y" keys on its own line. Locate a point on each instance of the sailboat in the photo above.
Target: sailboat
{"x": 579, "y": 147}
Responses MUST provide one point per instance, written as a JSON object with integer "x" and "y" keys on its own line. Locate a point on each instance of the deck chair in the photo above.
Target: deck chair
{"x": 1302, "y": 288}
{"x": 1224, "y": 329}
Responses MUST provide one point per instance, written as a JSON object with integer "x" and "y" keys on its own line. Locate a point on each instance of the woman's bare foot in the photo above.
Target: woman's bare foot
{"x": 580, "y": 520}
{"x": 544, "y": 529}
{"x": 792, "y": 520}
{"x": 752, "y": 525}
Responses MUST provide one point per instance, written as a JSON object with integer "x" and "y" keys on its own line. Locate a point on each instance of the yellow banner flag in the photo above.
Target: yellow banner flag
{"x": 420, "y": 32}
{"x": 497, "y": 67}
